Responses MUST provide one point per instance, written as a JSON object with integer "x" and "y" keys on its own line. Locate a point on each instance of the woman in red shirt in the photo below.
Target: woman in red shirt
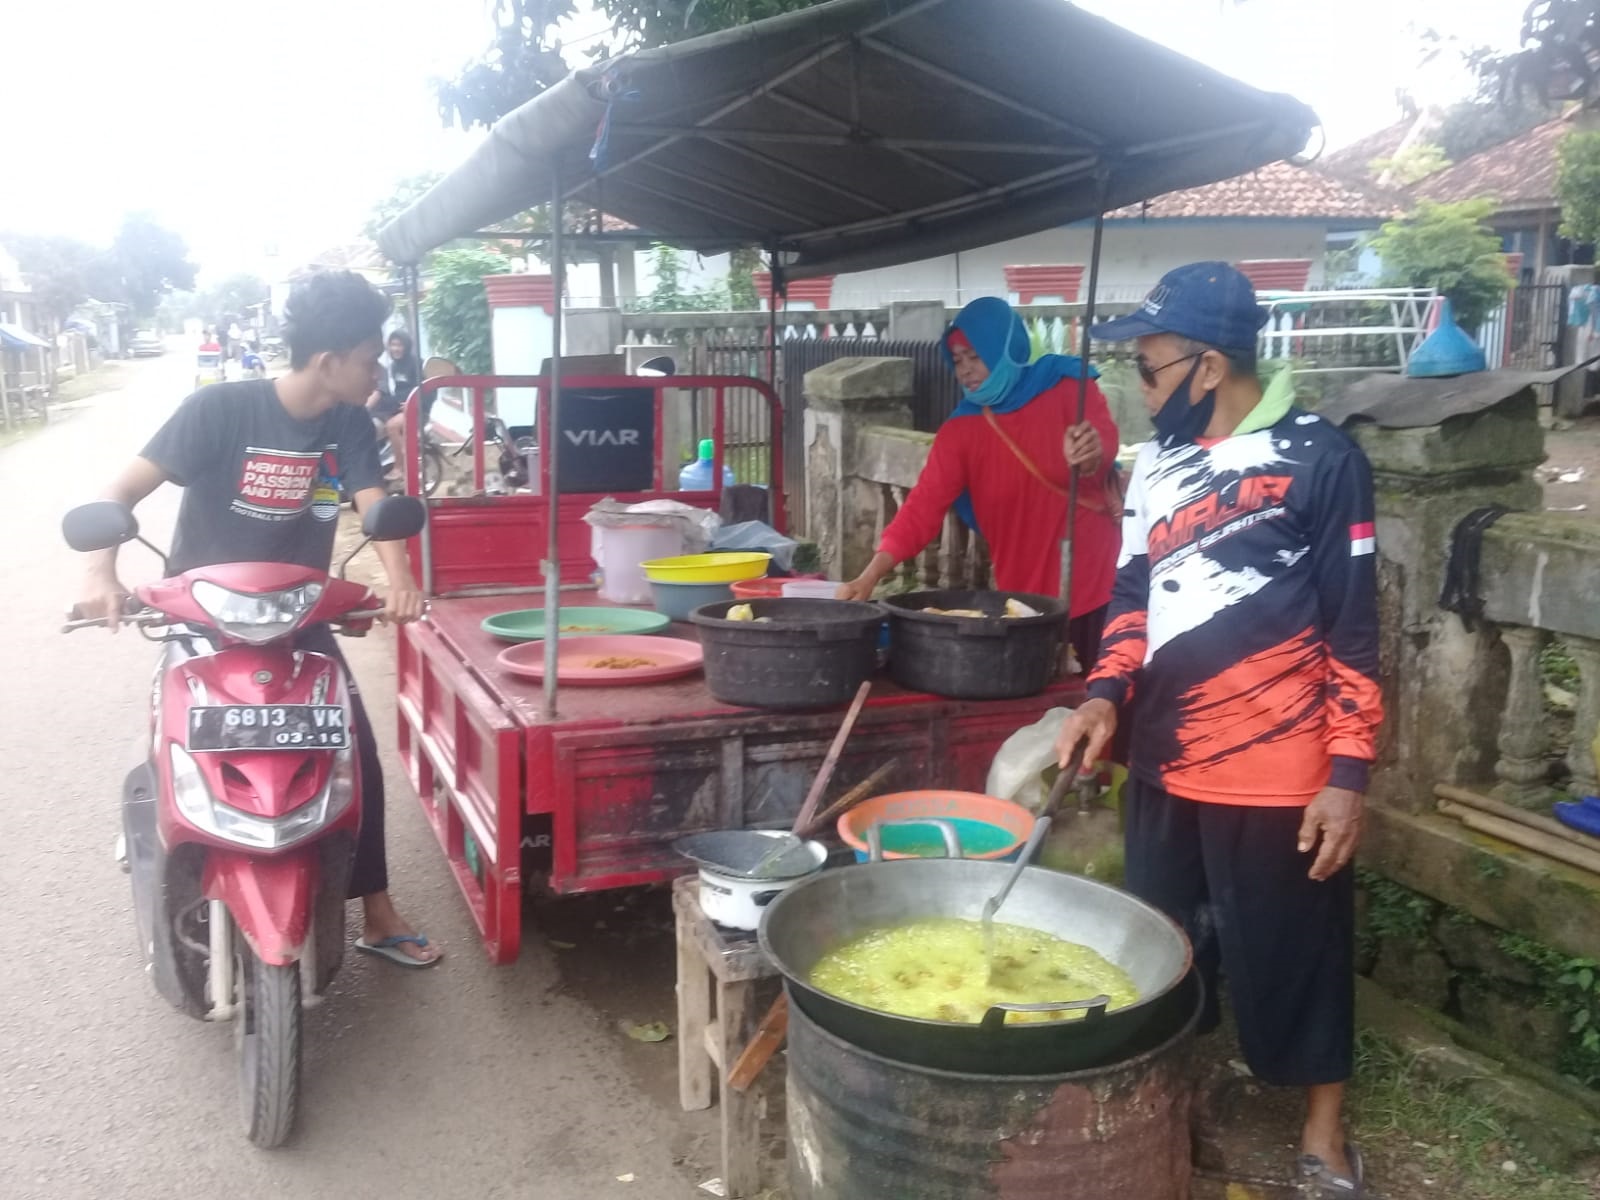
{"x": 1004, "y": 460}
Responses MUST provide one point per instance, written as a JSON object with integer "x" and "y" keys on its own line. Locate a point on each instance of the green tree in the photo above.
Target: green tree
{"x": 1578, "y": 185}
{"x": 147, "y": 261}
{"x": 62, "y": 271}
{"x": 235, "y": 294}
{"x": 456, "y": 307}
{"x": 669, "y": 294}
{"x": 525, "y": 53}
{"x": 1449, "y": 247}
{"x": 1473, "y": 125}
{"x": 742, "y": 265}
{"x": 1559, "y": 55}
{"x": 1411, "y": 165}
{"x": 401, "y": 196}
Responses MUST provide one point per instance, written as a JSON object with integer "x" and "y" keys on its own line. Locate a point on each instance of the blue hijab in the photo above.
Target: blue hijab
{"x": 1000, "y": 339}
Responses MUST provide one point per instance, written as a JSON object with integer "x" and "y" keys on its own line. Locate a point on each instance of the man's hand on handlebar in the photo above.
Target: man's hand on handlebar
{"x": 404, "y": 603}
{"x": 103, "y": 599}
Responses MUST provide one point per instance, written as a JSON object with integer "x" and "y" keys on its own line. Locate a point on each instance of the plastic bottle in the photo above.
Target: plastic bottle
{"x": 697, "y": 476}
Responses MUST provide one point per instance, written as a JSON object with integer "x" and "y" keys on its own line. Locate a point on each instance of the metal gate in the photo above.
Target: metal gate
{"x": 1535, "y": 318}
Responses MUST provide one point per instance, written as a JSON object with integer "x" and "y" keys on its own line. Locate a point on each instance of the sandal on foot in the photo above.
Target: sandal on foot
{"x": 1319, "y": 1180}
{"x": 389, "y": 948}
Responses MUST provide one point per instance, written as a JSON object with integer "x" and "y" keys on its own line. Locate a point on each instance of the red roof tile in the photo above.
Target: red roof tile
{"x": 1278, "y": 191}
{"x": 1520, "y": 174}
{"x": 1353, "y": 163}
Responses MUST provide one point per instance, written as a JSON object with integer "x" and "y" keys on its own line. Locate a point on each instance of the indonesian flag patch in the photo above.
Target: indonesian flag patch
{"x": 1363, "y": 539}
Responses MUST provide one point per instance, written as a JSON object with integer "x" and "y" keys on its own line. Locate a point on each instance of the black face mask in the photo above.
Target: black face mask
{"x": 1179, "y": 420}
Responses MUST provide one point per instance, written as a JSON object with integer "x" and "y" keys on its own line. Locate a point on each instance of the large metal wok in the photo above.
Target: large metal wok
{"x": 814, "y": 917}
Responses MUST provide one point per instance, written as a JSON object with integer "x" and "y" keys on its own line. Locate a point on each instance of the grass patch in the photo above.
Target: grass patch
{"x": 1421, "y": 1133}
{"x": 1557, "y": 667}
{"x": 107, "y": 377}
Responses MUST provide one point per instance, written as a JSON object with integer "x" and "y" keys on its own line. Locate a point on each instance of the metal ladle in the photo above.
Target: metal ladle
{"x": 1041, "y": 826}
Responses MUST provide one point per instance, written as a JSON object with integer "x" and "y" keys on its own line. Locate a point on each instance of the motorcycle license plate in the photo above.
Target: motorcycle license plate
{"x": 268, "y": 727}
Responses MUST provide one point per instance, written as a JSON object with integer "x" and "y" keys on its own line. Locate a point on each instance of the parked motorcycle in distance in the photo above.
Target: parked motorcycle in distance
{"x": 240, "y": 825}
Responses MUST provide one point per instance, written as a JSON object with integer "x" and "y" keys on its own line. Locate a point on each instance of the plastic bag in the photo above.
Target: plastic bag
{"x": 1018, "y": 770}
{"x": 758, "y": 537}
{"x": 698, "y": 526}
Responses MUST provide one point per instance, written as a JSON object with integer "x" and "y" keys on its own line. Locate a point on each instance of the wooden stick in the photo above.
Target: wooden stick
{"x": 820, "y": 783}
{"x": 1521, "y": 816}
{"x": 769, "y": 1036}
{"x": 850, "y": 799}
{"x": 1523, "y": 837}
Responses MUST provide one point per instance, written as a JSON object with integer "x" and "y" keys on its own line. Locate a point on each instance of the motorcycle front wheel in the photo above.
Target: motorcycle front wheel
{"x": 267, "y": 1039}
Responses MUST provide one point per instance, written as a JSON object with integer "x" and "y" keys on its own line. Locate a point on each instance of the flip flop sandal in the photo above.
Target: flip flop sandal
{"x": 1318, "y": 1180}
{"x": 389, "y": 948}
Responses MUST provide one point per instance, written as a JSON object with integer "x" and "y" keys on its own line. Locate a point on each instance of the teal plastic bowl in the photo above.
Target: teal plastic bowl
{"x": 678, "y": 600}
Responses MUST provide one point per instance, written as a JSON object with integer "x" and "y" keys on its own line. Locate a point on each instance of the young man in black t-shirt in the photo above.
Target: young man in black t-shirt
{"x": 261, "y": 464}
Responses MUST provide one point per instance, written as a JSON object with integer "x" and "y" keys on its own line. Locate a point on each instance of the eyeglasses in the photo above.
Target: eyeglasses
{"x": 1148, "y": 374}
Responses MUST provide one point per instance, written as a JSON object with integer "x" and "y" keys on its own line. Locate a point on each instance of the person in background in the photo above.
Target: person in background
{"x": 308, "y": 425}
{"x": 1004, "y": 461}
{"x": 405, "y": 373}
{"x": 1242, "y": 651}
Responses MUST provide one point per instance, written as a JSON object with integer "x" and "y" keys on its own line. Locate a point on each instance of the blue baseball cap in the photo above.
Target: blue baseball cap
{"x": 1208, "y": 302}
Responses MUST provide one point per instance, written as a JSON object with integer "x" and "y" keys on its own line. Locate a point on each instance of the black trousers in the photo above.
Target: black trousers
{"x": 1083, "y": 632}
{"x": 369, "y": 872}
{"x": 1234, "y": 878}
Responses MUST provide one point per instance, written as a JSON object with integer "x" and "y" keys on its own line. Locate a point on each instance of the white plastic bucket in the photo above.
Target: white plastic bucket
{"x": 619, "y": 551}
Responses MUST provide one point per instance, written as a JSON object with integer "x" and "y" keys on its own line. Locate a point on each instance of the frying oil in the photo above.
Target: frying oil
{"x": 936, "y": 969}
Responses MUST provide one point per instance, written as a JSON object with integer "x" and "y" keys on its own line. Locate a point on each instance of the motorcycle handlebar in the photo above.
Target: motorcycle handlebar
{"x": 138, "y": 615}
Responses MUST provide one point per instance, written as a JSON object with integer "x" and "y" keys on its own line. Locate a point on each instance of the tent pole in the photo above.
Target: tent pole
{"x": 772, "y": 320}
{"x": 548, "y": 451}
{"x": 1067, "y": 540}
{"x": 414, "y": 317}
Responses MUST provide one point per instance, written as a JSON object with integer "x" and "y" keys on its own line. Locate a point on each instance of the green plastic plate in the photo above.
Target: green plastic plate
{"x": 527, "y": 624}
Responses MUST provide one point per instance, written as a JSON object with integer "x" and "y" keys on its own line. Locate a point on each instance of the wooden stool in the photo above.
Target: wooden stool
{"x": 718, "y": 1012}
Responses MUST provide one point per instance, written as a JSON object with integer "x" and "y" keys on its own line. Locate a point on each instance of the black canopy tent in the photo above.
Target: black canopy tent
{"x": 864, "y": 133}
{"x": 860, "y": 134}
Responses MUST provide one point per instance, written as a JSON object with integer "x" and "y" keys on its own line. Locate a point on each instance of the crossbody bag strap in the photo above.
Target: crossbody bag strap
{"x": 1032, "y": 468}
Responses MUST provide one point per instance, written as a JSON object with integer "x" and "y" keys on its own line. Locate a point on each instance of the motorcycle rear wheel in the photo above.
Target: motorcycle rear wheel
{"x": 267, "y": 1039}
{"x": 432, "y": 469}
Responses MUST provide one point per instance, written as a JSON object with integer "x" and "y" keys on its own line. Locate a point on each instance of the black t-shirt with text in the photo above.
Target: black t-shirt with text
{"x": 260, "y": 485}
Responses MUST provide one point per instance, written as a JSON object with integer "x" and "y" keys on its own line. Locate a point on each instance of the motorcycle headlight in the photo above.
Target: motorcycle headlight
{"x": 196, "y": 803}
{"x": 256, "y": 618}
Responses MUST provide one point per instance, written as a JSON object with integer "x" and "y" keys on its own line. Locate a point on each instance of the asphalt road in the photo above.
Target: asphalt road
{"x": 464, "y": 1080}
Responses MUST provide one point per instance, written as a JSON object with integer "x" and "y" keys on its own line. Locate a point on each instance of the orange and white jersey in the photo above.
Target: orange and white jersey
{"x": 1242, "y": 639}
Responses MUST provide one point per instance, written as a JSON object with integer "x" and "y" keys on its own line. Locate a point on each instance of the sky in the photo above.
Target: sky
{"x": 264, "y": 132}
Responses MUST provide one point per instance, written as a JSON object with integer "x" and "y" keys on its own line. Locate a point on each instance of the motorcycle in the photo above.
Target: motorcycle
{"x": 432, "y": 459}
{"x": 238, "y": 829}
{"x": 512, "y": 460}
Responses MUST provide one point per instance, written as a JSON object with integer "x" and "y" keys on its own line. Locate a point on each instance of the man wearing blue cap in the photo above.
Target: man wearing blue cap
{"x": 1241, "y": 646}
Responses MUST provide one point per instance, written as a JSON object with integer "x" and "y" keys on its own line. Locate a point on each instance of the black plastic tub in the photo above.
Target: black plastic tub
{"x": 993, "y": 657}
{"x": 805, "y": 654}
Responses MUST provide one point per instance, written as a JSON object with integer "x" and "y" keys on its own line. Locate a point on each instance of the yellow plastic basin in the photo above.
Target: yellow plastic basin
{"x": 707, "y": 568}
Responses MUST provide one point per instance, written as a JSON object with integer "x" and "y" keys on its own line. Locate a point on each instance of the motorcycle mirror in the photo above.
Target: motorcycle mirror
{"x": 394, "y": 519}
{"x": 99, "y": 525}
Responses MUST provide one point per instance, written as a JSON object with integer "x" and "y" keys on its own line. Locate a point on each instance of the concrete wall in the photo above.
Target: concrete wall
{"x": 1135, "y": 255}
